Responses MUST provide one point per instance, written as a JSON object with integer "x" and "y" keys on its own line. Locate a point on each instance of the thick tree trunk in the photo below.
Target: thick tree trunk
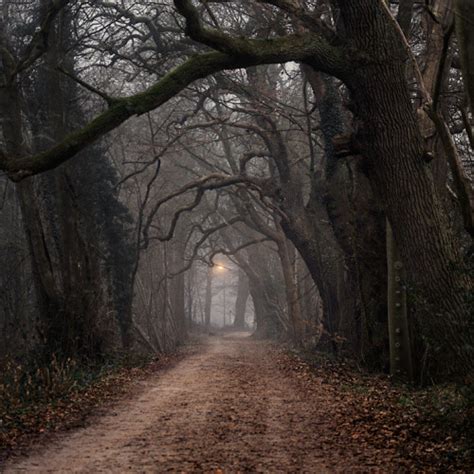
{"x": 320, "y": 252}
{"x": 268, "y": 313}
{"x": 76, "y": 328}
{"x": 268, "y": 325}
{"x": 358, "y": 226}
{"x": 394, "y": 150}
{"x": 312, "y": 308}
{"x": 263, "y": 329}
{"x": 47, "y": 287}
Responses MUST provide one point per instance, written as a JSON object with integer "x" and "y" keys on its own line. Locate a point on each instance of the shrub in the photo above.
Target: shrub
{"x": 32, "y": 383}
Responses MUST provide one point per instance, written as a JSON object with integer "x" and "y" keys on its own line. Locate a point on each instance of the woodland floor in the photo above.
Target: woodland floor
{"x": 240, "y": 405}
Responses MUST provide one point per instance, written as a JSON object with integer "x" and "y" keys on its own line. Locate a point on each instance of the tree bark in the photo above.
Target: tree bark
{"x": 291, "y": 289}
{"x": 357, "y": 222}
{"x": 391, "y": 142}
{"x": 464, "y": 14}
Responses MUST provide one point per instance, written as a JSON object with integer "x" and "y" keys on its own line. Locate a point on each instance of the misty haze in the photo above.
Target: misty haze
{"x": 236, "y": 236}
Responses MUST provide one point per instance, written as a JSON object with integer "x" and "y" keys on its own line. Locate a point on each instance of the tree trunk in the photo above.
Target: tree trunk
{"x": 208, "y": 299}
{"x": 241, "y": 300}
{"x": 317, "y": 247}
{"x": 394, "y": 150}
{"x": 464, "y": 10}
{"x": 358, "y": 226}
{"x": 291, "y": 289}
{"x": 177, "y": 291}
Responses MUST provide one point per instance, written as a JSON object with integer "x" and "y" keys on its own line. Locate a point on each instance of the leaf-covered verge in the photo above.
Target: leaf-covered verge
{"x": 428, "y": 430}
{"x": 41, "y": 401}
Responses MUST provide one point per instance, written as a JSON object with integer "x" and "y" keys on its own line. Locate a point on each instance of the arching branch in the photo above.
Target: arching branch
{"x": 234, "y": 250}
{"x": 208, "y": 183}
{"x": 309, "y": 48}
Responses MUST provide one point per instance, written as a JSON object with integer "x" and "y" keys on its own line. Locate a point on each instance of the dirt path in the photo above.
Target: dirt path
{"x": 228, "y": 407}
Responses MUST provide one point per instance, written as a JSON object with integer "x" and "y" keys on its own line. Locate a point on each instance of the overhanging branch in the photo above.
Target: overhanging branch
{"x": 292, "y": 48}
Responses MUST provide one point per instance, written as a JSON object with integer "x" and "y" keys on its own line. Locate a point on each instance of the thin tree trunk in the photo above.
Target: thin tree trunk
{"x": 241, "y": 300}
{"x": 177, "y": 293}
{"x": 208, "y": 298}
{"x": 292, "y": 297}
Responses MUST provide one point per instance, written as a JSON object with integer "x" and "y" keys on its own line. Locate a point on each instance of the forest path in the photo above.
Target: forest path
{"x": 229, "y": 407}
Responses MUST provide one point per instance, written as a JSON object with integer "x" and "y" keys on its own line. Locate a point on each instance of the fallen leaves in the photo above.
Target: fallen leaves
{"x": 427, "y": 429}
{"x": 257, "y": 408}
{"x": 22, "y": 425}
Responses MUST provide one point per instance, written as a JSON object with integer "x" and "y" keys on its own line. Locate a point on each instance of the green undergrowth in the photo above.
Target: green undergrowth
{"x": 32, "y": 383}
{"x": 39, "y": 397}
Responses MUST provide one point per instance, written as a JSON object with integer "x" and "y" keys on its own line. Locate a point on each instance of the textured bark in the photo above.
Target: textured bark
{"x": 464, "y": 10}
{"x": 436, "y": 65}
{"x": 357, "y": 222}
{"x": 391, "y": 142}
{"x": 291, "y": 289}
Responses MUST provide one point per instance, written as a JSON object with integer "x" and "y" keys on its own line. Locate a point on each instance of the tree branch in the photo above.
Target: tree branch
{"x": 234, "y": 250}
{"x": 310, "y": 48}
{"x": 110, "y": 100}
{"x": 39, "y": 43}
{"x": 210, "y": 182}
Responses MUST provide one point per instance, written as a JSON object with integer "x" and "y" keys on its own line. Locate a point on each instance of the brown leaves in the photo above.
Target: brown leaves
{"x": 25, "y": 422}
{"x": 369, "y": 413}
{"x": 253, "y": 407}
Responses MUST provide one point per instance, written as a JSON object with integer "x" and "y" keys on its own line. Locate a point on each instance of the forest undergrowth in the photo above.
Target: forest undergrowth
{"x": 38, "y": 400}
{"x": 427, "y": 429}
{"x": 432, "y": 426}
